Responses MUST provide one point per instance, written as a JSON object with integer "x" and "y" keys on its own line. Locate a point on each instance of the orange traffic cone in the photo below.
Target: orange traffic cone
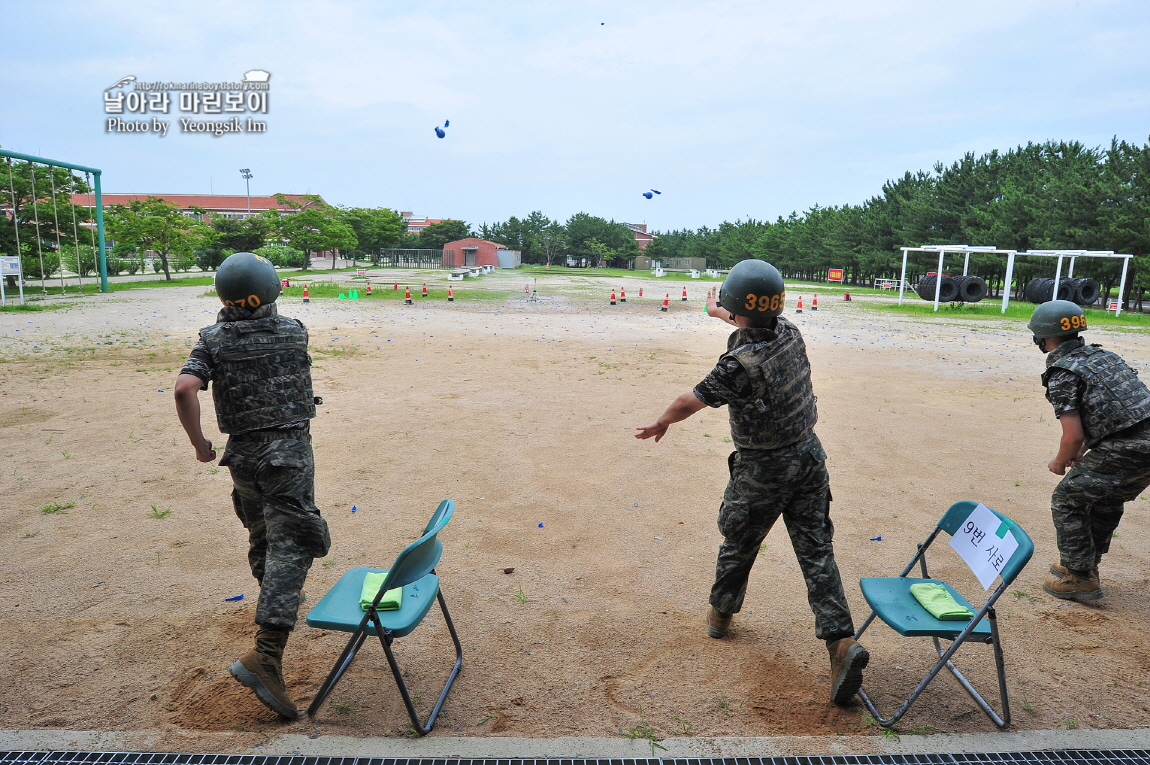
{"x": 612, "y": 297}
{"x": 622, "y": 295}
{"x": 369, "y": 289}
{"x": 450, "y": 294}
{"x": 815, "y": 303}
{"x": 684, "y": 294}
{"x": 407, "y": 295}
{"x": 425, "y": 289}
{"x": 666, "y": 301}
{"x": 306, "y": 299}
{"x": 800, "y": 308}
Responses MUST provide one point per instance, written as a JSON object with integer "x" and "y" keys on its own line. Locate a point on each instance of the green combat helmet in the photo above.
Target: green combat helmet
{"x": 247, "y": 280}
{"x": 753, "y": 288}
{"x": 1056, "y": 318}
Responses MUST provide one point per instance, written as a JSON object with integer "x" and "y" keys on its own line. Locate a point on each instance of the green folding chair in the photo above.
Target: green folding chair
{"x": 414, "y": 571}
{"x": 891, "y": 601}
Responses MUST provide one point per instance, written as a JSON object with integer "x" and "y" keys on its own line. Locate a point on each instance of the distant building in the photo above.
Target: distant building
{"x": 234, "y": 206}
{"x": 415, "y": 225}
{"x": 472, "y": 252}
{"x": 639, "y": 231}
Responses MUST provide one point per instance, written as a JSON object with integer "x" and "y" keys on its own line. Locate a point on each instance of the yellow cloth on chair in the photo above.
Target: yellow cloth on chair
{"x": 371, "y": 584}
{"x": 938, "y": 601}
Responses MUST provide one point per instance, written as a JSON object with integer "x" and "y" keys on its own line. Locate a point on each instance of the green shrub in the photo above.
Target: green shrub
{"x": 282, "y": 256}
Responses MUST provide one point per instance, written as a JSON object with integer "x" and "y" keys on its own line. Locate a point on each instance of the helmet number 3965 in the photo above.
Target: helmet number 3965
{"x": 765, "y": 302}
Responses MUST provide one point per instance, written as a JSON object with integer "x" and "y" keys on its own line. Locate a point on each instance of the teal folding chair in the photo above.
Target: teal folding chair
{"x": 414, "y": 571}
{"x": 891, "y": 601}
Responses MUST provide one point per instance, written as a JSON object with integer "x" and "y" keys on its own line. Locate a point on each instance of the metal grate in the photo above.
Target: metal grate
{"x": 1058, "y": 757}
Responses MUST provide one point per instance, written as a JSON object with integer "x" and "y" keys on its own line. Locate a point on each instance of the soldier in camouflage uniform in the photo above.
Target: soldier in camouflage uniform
{"x": 779, "y": 466}
{"x": 258, "y": 364}
{"x": 1103, "y": 407}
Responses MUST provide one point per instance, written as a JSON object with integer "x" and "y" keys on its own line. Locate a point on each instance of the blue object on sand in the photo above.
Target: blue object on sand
{"x": 236, "y": 597}
{"x": 353, "y": 508}
{"x": 876, "y": 539}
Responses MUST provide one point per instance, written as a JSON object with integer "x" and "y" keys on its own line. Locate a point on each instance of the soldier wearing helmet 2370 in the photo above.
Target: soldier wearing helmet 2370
{"x": 260, "y": 370}
{"x": 778, "y": 468}
{"x": 1103, "y": 407}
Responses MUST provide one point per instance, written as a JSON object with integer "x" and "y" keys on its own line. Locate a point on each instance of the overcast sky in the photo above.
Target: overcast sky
{"x": 731, "y": 109}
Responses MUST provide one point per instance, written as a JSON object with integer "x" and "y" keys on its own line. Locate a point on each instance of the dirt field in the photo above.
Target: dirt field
{"x": 115, "y": 619}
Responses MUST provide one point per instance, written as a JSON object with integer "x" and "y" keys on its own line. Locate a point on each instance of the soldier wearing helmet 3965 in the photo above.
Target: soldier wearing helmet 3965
{"x": 1104, "y": 410}
{"x": 258, "y": 364}
{"x": 778, "y": 467}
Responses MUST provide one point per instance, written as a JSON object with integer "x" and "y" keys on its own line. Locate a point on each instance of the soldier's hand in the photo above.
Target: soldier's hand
{"x": 205, "y": 452}
{"x": 1058, "y": 468}
{"x": 655, "y": 429}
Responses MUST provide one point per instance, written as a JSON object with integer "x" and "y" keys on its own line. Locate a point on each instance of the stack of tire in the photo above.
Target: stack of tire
{"x": 1080, "y": 291}
{"x": 965, "y": 289}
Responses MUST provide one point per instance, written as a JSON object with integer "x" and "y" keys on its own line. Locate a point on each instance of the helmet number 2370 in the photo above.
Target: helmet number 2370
{"x": 1072, "y": 322}
{"x": 765, "y": 302}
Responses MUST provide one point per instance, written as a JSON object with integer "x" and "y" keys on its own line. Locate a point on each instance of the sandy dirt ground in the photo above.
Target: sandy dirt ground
{"x": 115, "y": 619}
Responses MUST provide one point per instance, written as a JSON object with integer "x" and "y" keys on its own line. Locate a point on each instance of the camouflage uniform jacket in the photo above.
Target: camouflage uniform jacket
{"x": 261, "y": 373}
{"x": 1110, "y": 397}
{"x": 765, "y": 379}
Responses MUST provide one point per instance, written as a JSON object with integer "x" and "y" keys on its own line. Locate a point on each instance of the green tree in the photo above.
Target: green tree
{"x": 436, "y": 235}
{"x": 375, "y": 228}
{"x": 313, "y": 227}
{"x": 159, "y": 226}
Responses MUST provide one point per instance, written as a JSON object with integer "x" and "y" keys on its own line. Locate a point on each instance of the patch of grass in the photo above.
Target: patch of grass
{"x": 346, "y": 708}
{"x": 329, "y": 564}
{"x": 1069, "y": 725}
{"x": 1018, "y": 594}
{"x": 521, "y": 596}
{"x": 158, "y": 513}
{"x": 57, "y": 508}
{"x": 645, "y": 731}
{"x": 30, "y": 307}
{"x": 487, "y": 717}
{"x": 687, "y": 726}
{"x": 1018, "y": 310}
{"x": 1028, "y": 707}
{"x": 30, "y": 534}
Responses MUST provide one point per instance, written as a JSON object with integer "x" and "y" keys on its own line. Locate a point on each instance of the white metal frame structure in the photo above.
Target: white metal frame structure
{"x": 943, "y": 249}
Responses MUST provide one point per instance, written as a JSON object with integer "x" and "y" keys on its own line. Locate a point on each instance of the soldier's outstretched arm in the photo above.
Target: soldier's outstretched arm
{"x": 1071, "y": 447}
{"x": 680, "y": 409}
{"x": 716, "y": 310}
{"x": 188, "y": 408}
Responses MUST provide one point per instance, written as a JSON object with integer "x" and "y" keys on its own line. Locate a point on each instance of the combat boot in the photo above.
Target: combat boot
{"x": 848, "y": 660}
{"x": 1082, "y": 586}
{"x": 1059, "y": 570}
{"x": 718, "y": 623}
{"x": 261, "y": 670}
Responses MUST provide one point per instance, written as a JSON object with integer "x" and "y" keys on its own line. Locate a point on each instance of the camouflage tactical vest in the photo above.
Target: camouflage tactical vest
{"x": 262, "y": 375}
{"x": 779, "y": 408}
{"x": 1115, "y": 398}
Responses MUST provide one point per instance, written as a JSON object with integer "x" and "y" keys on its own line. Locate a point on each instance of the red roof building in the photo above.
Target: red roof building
{"x": 415, "y": 225}
{"x": 471, "y": 252}
{"x": 639, "y": 231}
{"x": 233, "y": 206}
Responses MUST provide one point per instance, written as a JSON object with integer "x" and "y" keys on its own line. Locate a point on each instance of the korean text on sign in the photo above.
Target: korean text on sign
{"x": 986, "y": 543}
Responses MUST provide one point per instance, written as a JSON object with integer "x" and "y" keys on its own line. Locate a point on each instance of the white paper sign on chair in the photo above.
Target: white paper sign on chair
{"x": 985, "y": 542}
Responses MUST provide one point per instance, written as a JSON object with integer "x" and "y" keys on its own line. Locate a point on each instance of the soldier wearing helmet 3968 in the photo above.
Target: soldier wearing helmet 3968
{"x": 258, "y": 364}
{"x": 1104, "y": 410}
{"x": 778, "y": 467}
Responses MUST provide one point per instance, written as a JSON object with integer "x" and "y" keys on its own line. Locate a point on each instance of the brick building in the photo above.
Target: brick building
{"x": 478, "y": 252}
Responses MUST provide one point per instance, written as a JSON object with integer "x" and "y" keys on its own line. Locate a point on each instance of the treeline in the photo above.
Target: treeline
{"x": 1055, "y": 195}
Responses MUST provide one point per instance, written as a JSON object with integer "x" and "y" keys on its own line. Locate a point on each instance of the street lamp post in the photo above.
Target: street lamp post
{"x": 247, "y": 174}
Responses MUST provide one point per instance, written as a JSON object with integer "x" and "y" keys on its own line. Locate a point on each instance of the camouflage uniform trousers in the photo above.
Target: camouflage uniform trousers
{"x": 274, "y": 496}
{"x": 1087, "y": 502}
{"x": 791, "y": 482}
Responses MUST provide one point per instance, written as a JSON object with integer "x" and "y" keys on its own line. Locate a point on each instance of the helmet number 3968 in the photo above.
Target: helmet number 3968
{"x": 765, "y": 302}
